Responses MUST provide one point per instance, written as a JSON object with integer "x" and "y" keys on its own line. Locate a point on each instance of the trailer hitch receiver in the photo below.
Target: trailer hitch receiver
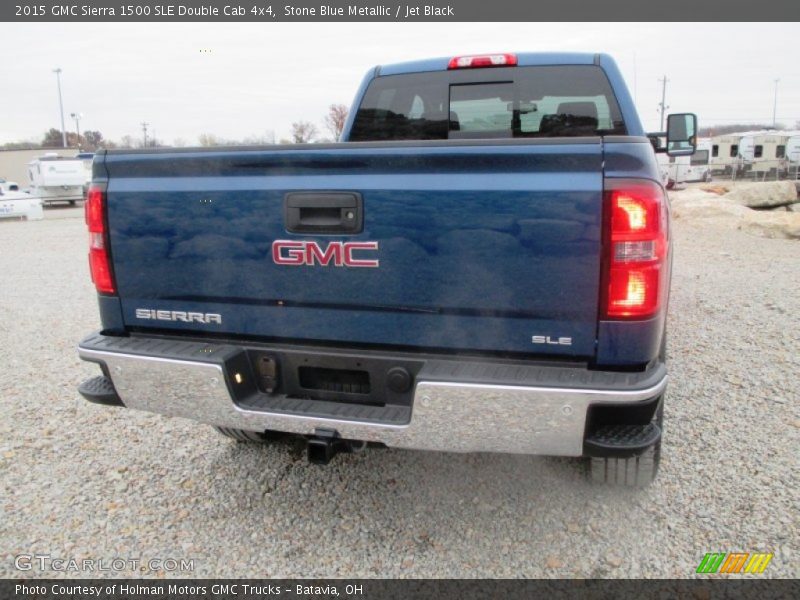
{"x": 326, "y": 443}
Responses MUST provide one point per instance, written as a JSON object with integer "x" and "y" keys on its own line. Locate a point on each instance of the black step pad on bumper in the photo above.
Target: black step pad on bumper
{"x": 622, "y": 440}
{"x": 100, "y": 390}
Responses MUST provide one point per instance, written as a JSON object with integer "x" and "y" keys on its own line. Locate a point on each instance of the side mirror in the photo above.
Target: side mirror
{"x": 681, "y": 134}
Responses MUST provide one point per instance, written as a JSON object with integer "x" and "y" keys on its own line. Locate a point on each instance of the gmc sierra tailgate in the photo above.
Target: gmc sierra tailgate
{"x": 483, "y": 245}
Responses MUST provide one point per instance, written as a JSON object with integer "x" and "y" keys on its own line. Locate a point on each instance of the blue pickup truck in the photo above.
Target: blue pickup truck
{"x": 480, "y": 264}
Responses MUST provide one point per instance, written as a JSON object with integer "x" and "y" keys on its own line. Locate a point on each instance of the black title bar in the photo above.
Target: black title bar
{"x": 367, "y": 589}
{"x": 403, "y": 10}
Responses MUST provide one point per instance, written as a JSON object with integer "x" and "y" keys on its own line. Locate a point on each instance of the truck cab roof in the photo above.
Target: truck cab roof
{"x": 524, "y": 59}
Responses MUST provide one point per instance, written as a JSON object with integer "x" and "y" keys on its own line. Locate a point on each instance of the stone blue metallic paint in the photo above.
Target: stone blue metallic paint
{"x": 481, "y": 246}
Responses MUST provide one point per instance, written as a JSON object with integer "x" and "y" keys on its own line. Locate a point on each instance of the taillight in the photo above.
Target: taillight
{"x": 636, "y": 246}
{"x": 482, "y": 60}
{"x": 99, "y": 262}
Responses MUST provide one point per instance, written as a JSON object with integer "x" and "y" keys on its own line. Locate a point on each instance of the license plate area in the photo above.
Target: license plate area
{"x": 368, "y": 379}
{"x": 334, "y": 380}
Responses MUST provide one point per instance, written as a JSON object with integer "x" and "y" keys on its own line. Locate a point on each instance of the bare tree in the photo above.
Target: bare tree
{"x": 303, "y": 132}
{"x": 209, "y": 139}
{"x": 334, "y": 120}
{"x": 52, "y": 138}
{"x": 126, "y": 141}
{"x": 93, "y": 140}
{"x": 267, "y": 138}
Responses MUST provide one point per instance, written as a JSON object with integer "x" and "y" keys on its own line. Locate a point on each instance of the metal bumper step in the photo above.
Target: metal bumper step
{"x": 100, "y": 390}
{"x": 622, "y": 440}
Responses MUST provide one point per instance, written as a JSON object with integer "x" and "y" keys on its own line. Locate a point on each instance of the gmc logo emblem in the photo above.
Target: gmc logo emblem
{"x": 340, "y": 254}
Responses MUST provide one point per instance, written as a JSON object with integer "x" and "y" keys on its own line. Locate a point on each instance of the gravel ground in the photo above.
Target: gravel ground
{"x": 84, "y": 481}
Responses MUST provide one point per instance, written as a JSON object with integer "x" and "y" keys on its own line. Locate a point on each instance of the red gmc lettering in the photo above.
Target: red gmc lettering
{"x": 349, "y": 261}
{"x": 293, "y": 255}
{"x": 340, "y": 254}
{"x": 333, "y": 252}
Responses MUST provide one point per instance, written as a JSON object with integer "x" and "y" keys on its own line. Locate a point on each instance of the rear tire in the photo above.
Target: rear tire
{"x": 635, "y": 471}
{"x": 242, "y": 435}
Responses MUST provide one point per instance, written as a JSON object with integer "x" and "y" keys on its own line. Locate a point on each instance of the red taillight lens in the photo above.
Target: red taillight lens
{"x": 94, "y": 209}
{"x": 637, "y": 241}
{"x": 482, "y": 60}
{"x": 99, "y": 263}
{"x": 632, "y": 292}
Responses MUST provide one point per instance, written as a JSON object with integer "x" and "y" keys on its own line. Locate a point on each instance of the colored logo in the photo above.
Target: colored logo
{"x": 340, "y": 254}
{"x": 734, "y": 562}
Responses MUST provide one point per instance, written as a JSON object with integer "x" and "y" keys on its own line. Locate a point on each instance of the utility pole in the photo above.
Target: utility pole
{"x": 77, "y": 117}
{"x": 61, "y": 107}
{"x": 144, "y": 130}
{"x": 663, "y": 105}
{"x": 775, "y": 104}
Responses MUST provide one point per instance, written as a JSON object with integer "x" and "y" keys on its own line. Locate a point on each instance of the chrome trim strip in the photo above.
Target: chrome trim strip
{"x": 446, "y": 416}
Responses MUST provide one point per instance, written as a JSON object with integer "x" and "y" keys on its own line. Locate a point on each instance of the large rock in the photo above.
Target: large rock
{"x": 772, "y": 224}
{"x": 766, "y": 194}
{"x": 696, "y": 205}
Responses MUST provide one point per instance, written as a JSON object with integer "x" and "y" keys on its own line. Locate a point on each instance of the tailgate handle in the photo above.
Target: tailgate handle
{"x": 324, "y": 212}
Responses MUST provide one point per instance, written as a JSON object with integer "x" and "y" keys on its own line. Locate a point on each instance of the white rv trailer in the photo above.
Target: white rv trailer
{"x": 696, "y": 167}
{"x": 87, "y": 158}
{"x": 57, "y": 178}
{"x": 663, "y": 168}
{"x": 724, "y": 152}
{"x": 763, "y": 153}
{"x": 793, "y": 155}
{"x": 19, "y": 205}
{"x": 8, "y": 186}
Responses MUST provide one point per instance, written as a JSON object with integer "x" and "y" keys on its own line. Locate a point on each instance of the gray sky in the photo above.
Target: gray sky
{"x": 259, "y": 77}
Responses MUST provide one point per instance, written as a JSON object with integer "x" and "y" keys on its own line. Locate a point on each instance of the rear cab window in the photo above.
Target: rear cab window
{"x": 502, "y": 102}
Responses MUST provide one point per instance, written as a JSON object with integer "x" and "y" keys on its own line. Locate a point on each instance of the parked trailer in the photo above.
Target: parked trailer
{"x": 724, "y": 153}
{"x": 663, "y": 170}
{"x": 686, "y": 169}
{"x": 57, "y": 178}
{"x": 793, "y": 155}
{"x": 19, "y": 205}
{"x": 764, "y": 153}
{"x": 86, "y": 158}
{"x": 8, "y": 186}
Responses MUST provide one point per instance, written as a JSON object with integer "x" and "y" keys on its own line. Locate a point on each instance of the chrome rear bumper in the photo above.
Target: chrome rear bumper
{"x": 449, "y": 416}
